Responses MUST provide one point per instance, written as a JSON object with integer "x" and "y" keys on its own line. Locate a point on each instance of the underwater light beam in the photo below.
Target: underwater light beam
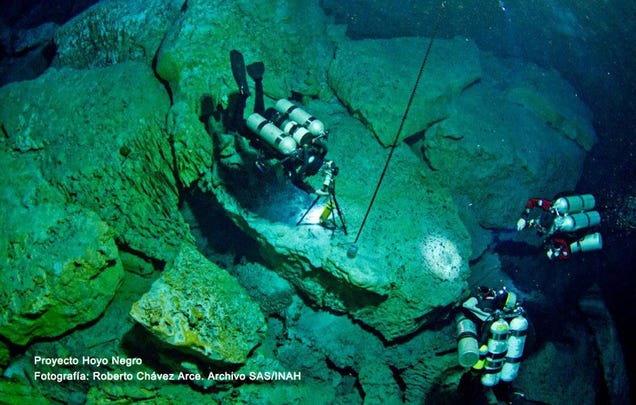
{"x": 442, "y": 257}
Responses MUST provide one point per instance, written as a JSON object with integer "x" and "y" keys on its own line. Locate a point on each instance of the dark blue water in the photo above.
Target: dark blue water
{"x": 591, "y": 45}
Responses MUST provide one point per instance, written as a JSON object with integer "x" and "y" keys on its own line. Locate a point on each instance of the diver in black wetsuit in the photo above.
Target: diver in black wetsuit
{"x": 296, "y": 138}
{"x": 565, "y": 223}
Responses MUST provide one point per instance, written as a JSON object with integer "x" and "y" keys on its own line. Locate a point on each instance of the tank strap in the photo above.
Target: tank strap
{"x": 465, "y": 334}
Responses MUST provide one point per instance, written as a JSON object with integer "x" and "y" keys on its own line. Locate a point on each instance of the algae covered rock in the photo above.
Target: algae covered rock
{"x": 101, "y": 140}
{"x": 200, "y": 308}
{"x": 192, "y": 146}
{"x": 375, "y": 78}
{"x": 115, "y": 31}
{"x": 59, "y": 263}
{"x": 13, "y": 392}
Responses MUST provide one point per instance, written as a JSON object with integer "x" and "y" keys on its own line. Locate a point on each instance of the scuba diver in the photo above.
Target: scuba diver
{"x": 565, "y": 224}
{"x": 491, "y": 336}
{"x": 294, "y": 137}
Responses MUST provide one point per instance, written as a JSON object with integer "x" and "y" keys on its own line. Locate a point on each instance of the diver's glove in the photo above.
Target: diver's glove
{"x": 521, "y": 224}
{"x": 322, "y": 192}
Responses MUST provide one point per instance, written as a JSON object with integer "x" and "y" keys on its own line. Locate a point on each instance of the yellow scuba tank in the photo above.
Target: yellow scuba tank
{"x": 326, "y": 212}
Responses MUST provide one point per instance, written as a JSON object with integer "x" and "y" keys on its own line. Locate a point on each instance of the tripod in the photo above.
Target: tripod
{"x": 331, "y": 212}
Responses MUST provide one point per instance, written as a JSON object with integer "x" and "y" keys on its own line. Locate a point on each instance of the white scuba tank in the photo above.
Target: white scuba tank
{"x": 574, "y": 222}
{"x": 575, "y": 203}
{"x": 593, "y": 241}
{"x": 497, "y": 347}
{"x": 467, "y": 345}
{"x": 273, "y": 135}
{"x": 301, "y": 135}
{"x": 313, "y": 125}
{"x": 516, "y": 343}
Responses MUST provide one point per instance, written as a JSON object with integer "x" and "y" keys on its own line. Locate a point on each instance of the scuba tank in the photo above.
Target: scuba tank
{"x": 271, "y": 134}
{"x": 516, "y": 343}
{"x": 313, "y": 125}
{"x": 478, "y": 367}
{"x": 575, "y": 203}
{"x": 301, "y": 135}
{"x": 590, "y": 242}
{"x": 574, "y": 222}
{"x": 497, "y": 347}
{"x": 467, "y": 345}
{"x": 326, "y": 212}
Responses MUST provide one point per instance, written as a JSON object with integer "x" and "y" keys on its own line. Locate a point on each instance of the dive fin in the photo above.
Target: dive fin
{"x": 256, "y": 70}
{"x": 238, "y": 70}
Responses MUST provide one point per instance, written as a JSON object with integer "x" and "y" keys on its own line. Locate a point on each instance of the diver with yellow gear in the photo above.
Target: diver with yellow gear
{"x": 491, "y": 335}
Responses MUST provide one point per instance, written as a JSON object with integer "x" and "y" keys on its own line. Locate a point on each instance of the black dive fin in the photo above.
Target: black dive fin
{"x": 256, "y": 70}
{"x": 238, "y": 70}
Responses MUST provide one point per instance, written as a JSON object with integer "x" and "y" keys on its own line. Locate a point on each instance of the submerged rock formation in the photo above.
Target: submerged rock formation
{"x": 100, "y": 139}
{"x": 102, "y": 156}
{"x": 194, "y": 56}
{"x": 114, "y": 31}
{"x": 481, "y": 122}
{"x": 59, "y": 263}
{"x": 391, "y": 293}
{"x": 376, "y": 88}
{"x": 498, "y": 142}
{"x": 606, "y": 337}
{"x": 198, "y": 307}
{"x": 412, "y": 256}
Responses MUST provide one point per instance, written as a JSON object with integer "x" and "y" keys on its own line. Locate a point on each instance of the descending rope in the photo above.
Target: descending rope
{"x": 399, "y": 131}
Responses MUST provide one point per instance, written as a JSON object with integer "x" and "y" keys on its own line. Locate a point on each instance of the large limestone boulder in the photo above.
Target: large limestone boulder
{"x": 545, "y": 94}
{"x": 412, "y": 253}
{"x": 59, "y": 265}
{"x": 509, "y": 151}
{"x": 375, "y": 78}
{"x": 199, "y": 308}
{"x": 115, "y": 31}
{"x": 514, "y": 130}
{"x": 100, "y": 139}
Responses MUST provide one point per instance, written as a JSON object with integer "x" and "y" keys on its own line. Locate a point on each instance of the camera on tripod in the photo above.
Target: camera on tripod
{"x": 330, "y": 213}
